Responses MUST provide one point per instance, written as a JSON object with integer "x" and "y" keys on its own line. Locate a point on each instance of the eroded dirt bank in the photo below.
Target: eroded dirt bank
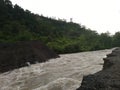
{"x": 108, "y": 78}
{"x": 18, "y": 54}
{"x": 64, "y": 73}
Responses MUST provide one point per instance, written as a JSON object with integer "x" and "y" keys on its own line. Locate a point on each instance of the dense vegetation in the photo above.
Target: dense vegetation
{"x": 17, "y": 24}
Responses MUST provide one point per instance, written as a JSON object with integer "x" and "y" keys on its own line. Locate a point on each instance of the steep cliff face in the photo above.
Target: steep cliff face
{"x": 108, "y": 78}
{"x": 19, "y": 54}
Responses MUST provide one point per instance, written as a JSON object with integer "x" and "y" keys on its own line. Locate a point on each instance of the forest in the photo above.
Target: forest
{"x": 17, "y": 24}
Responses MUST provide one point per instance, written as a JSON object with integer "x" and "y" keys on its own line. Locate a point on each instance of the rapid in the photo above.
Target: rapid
{"x": 64, "y": 73}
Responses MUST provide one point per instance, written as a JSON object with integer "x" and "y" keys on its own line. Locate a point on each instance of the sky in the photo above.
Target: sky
{"x": 98, "y": 15}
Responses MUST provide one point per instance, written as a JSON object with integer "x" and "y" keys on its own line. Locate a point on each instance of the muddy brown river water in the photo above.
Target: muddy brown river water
{"x": 64, "y": 73}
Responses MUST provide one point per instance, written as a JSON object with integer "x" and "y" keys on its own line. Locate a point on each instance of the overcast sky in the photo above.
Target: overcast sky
{"x": 99, "y": 15}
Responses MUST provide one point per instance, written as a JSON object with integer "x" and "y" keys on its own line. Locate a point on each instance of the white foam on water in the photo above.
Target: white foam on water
{"x": 64, "y": 73}
{"x": 61, "y": 84}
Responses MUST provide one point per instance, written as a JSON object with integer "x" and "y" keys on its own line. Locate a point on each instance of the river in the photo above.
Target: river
{"x": 64, "y": 73}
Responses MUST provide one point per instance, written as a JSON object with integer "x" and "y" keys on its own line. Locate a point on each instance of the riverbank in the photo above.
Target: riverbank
{"x": 108, "y": 78}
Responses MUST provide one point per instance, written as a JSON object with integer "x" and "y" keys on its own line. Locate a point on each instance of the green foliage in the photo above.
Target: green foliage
{"x": 17, "y": 24}
{"x": 105, "y": 40}
{"x": 116, "y": 39}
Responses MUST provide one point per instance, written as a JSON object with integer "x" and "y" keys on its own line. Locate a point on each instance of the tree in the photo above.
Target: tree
{"x": 116, "y": 39}
{"x": 105, "y": 40}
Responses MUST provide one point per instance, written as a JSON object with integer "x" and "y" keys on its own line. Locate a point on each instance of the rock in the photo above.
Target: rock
{"x": 19, "y": 54}
{"x": 108, "y": 78}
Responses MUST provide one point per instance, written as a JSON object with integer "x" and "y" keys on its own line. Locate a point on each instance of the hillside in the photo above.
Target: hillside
{"x": 17, "y": 24}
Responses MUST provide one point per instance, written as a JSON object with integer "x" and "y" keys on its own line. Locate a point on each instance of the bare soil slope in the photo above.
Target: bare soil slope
{"x": 15, "y": 55}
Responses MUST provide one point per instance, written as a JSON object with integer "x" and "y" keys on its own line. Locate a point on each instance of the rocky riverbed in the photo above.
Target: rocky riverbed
{"x": 64, "y": 73}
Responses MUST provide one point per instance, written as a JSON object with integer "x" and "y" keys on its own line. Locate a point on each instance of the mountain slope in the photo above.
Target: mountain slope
{"x": 17, "y": 24}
